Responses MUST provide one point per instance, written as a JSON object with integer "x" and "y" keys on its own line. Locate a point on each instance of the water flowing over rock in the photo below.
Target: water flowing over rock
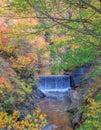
{"x": 54, "y": 83}
{"x": 67, "y": 97}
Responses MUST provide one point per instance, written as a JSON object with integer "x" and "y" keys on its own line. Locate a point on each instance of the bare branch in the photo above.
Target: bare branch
{"x": 91, "y": 6}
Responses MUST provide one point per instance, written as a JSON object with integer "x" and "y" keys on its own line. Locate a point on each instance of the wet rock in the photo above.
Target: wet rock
{"x": 76, "y": 98}
{"x": 34, "y": 98}
{"x": 38, "y": 95}
{"x": 77, "y": 120}
{"x": 50, "y": 127}
{"x": 72, "y": 110}
{"x": 31, "y": 103}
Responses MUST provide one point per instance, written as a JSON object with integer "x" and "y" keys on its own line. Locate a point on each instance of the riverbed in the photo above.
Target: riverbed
{"x": 55, "y": 107}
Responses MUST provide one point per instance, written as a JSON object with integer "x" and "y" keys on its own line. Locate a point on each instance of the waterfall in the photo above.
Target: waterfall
{"x": 54, "y": 83}
{"x": 61, "y": 83}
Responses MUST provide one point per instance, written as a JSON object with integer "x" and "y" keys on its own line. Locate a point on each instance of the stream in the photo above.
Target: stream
{"x": 57, "y": 89}
{"x": 56, "y": 110}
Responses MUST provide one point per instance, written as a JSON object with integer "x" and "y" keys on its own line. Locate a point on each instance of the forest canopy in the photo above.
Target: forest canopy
{"x": 61, "y": 34}
{"x": 72, "y": 29}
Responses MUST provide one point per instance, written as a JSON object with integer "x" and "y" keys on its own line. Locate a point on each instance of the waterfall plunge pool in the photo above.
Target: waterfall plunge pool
{"x": 56, "y": 88}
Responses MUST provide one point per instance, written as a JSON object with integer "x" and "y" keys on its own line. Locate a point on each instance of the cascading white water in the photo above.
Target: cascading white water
{"x": 56, "y": 88}
{"x": 58, "y": 85}
{"x": 54, "y": 83}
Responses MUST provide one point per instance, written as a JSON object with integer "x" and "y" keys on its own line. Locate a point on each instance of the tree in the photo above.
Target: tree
{"x": 75, "y": 26}
{"x": 80, "y": 16}
{"x": 78, "y": 19}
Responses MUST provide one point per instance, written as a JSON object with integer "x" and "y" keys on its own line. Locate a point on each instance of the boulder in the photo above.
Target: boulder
{"x": 76, "y": 98}
{"x": 77, "y": 120}
{"x": 38, "y": 95}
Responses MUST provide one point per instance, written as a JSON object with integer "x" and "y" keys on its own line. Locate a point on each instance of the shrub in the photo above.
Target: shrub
{"x": 13, "y": 92}
{"x": 34, "y": 121}
{"x": 92, "y": 113}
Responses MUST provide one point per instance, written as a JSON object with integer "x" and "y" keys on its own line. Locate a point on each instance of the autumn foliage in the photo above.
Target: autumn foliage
{"x": 17, "y": 60}
{"x": 15, "y": 56}
{"x": 6, "y": 46}
{"x": 3, "y": 35}
{"x": 35, "y": 121}
{"x": 24, "y": 61}
{"x": 4, "y": 83}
